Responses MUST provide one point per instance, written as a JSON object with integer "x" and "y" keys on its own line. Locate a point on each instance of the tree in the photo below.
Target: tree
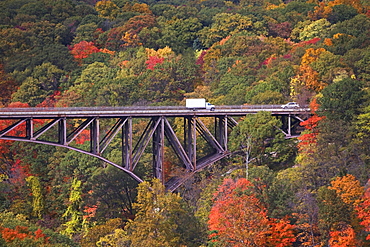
{"x": 38, "y": 203}
{"x": 237, "y": 218}
{"x": 83, "y": 49}
{"x": 161, "y": 219}
{"x": 363, "y": 212}
{"x": 344, "y": 236}
{"x": 73, "y": 213}
{"x": 339, "y": 103}
{"x": 43, "y": 81}
{"x": 225, "y": 24}
{"x": 179, "y": 34}
{"x": 7, "y": 85}
{"x": 260, "y": 140}
{"x": 107, "y": 9}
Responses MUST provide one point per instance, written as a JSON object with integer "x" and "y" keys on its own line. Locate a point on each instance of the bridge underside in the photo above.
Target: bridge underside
{"x": 176, "y": 155}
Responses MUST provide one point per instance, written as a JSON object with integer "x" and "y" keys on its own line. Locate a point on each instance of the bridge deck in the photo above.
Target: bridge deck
{"x": 168, "y": 111}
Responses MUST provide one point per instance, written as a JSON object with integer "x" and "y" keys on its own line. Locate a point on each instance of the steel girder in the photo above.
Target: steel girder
{"x": 158, "y": 133}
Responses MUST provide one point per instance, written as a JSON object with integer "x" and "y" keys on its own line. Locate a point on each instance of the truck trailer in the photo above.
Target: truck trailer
{"x": 198, "y": 104}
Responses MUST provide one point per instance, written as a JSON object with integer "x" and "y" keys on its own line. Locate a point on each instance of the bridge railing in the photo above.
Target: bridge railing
{"x": 132, "y": 108}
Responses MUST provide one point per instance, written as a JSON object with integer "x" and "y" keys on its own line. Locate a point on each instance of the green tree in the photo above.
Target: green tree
{"x": 179, "y": 34}
{"x": 342, "y": 100}
{"x": 225, "y": 24}
{"x": 259, "y": 140}
{"x": 161, "y": 219}
{"x": 44, "y": 80}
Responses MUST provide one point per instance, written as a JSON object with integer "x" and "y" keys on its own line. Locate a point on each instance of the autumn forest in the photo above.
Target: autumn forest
{"x": 272, "y": 191}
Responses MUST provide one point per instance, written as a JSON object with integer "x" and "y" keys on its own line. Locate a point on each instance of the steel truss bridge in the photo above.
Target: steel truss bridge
{"x": 63, "y": 127}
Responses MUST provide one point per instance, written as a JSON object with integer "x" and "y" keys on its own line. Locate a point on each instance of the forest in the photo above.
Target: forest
{"x": 313, "y": 190}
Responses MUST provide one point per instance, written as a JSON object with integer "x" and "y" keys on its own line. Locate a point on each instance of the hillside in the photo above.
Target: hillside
{"x": 310, "y": 191}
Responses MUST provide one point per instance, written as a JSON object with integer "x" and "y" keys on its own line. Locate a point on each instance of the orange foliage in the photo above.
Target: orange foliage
{"x": 83, "y": 137}
{"x": 310, "y": 78}
{"x": 363, "y": 211}
{"x": 90, "y": 211}
{"x": 311, "y": 55}
{"x": 237, "y": 217}
{"x": 348, "y": 188}
{"x": 344, "y": 236}
{"x": 105, "y": 50}
{"x": 320, "y": 11}
{"x": 280, "y": 233}
{"x": 130, "y": 40}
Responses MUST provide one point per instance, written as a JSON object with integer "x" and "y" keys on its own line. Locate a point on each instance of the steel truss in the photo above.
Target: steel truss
{"x": 157, "y": 135}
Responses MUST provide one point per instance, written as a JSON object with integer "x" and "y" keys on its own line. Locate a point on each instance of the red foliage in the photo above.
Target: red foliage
{"x": 22, "y": 232}
{"x": 308, "y": 42}
{"x": 153, "y": 61}
{"x": 268, "y": 60}
{"x": 237, "y": 218}
{"x": 311, "y": 125}
{"x": 90, "y": 211}
{"x": 344, "y": 236}
{"x": 200, "y": 60}
{"x": 83, "y": 137}
{"x": 18, "y": 173}
{"x": 363, "y": 212}
{"x": 83, "y": 50}
{"x": 18, "y": 131}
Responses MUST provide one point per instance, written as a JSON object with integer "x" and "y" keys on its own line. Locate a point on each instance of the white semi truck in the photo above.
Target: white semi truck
{"x": 198, "y": 104}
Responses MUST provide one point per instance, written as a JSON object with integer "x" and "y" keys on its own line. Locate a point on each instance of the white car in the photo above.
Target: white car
{"x": 290, "y": 105}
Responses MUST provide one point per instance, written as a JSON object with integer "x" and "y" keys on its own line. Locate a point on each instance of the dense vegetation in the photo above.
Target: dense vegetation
{"x": 307, "y": 192}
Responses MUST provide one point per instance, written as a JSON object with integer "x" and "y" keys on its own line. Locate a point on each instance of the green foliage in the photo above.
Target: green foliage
{"x": 258, "y": 139}
{"x": 339, "y": 103}
{"x": 179, "y": 34}
{"x": 154, "y": 53}
{"x": 162, "y": 219}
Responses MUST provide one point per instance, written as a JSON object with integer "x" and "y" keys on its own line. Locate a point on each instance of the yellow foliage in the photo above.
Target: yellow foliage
{"x": 166, "y": 52}
{"x": 107, "y": 9}
{"x": 131, "y": 40}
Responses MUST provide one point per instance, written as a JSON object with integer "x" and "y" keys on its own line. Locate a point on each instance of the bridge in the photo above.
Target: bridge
{"x": 140, "y": 130}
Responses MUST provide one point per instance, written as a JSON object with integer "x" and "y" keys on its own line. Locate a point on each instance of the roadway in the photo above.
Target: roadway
{"x": 145, "y": 111}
